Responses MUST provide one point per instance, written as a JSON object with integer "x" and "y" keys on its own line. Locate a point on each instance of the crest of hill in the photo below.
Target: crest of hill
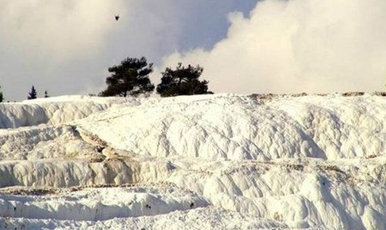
{"x": 221, "y": 126}
{"x": 247, "y": 127}
{"x": 55, "y": 110}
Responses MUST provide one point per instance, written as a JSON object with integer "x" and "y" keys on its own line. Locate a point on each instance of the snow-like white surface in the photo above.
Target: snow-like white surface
{"x": 198, "y": 162}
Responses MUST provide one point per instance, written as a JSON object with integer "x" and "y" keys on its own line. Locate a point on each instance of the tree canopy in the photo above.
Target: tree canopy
{"x": 1, "y": 95}
{"x": 131, "y": 77}
{"x": 32, "y": 94}
{"x": 182, "y": 81}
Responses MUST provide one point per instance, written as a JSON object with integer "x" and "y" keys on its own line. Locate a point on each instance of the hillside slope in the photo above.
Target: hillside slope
{"x": 198, "y": 162}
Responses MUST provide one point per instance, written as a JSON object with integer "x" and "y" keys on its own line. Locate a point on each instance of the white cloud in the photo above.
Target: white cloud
{"x": 298, "y": 46}
{"x": 66, "y": 46}
{"x": 56, "y": 30}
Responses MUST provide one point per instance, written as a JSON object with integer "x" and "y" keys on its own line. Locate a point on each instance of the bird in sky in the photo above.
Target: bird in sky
{"x": 116, "y": 17}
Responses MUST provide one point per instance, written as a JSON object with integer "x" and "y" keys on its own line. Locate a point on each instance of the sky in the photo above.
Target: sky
{"x": 270, "y": 46}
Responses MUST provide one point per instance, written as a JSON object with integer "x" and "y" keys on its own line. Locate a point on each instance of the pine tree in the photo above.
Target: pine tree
{"x": 182, "y": 81}
{"x": 32, "y": 94}
{"x": 1, "y": 95}
{"x": 131, "y": 77}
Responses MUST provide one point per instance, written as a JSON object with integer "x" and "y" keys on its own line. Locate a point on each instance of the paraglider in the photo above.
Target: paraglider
{"x": 116, "y": 17}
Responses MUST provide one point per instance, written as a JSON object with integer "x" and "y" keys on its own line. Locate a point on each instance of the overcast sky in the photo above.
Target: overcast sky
{"x": 276, "y": 46}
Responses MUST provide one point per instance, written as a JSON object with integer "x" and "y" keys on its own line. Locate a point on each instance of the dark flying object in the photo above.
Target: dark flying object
{"x": 116, "y": 17}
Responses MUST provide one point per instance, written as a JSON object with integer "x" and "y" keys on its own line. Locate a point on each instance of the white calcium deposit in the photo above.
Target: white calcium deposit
{"x": 194, "y": 162}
